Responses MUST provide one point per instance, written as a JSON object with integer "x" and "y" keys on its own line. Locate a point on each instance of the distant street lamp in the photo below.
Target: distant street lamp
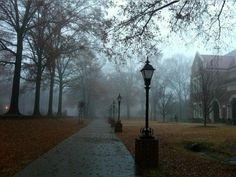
{"x": 147, "y": 73}
{"x": 119, "y": 100}
{"x": 118, "y": 126}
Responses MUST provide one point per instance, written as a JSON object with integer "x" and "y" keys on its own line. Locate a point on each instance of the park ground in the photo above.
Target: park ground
{"x": 188, "y": 150}
{"x": 24, "y": 140}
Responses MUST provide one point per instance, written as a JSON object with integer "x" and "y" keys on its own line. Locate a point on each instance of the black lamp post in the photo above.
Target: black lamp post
{"x": 118, "y": 126}
{"x": 119, "y": 100}
{"x": 147, "y": 73}
{"x": 146, "y": 146}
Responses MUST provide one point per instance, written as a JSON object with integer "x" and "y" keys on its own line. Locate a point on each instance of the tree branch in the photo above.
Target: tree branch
{"x": 4, "y": 47}
{"x": 7, "y": 62}
{"x": 140, "y": 15}
{"x": 218, "y": 18}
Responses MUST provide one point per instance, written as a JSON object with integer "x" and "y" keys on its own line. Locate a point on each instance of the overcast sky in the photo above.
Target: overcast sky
{"x": 188, "y": 46}
{"x": 179, "y": 46}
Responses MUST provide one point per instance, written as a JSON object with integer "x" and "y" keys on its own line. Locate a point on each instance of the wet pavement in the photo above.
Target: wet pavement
{"x": 94, "y": 151}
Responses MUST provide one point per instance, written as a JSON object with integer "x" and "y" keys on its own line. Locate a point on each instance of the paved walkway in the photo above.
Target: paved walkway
{"x": 94, "y": 151}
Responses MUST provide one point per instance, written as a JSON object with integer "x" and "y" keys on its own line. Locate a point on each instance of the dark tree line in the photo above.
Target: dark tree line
{"x": 45, "y": 37}
{"x": 42, "y": 36}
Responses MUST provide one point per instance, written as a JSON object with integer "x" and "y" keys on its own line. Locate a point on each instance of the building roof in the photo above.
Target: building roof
{"x": 223, "y": 62}
{"x": 232, "y": 53}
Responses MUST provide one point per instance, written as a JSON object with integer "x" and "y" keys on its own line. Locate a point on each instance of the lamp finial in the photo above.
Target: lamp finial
{"x": 147, "y": 61}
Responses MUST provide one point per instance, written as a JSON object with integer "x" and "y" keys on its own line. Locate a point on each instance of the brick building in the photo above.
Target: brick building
{"x": 222, "y": 102}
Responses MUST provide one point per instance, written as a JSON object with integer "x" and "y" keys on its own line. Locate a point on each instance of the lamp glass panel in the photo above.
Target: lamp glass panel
{"x": 148, "y": 74}
{"x": 143, "y": 74}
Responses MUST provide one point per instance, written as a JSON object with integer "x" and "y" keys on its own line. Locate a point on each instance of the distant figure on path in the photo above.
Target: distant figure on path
{"x": 176, "y": 118}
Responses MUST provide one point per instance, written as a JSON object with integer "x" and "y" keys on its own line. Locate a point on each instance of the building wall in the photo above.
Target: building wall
{"x": 224, "y": 100}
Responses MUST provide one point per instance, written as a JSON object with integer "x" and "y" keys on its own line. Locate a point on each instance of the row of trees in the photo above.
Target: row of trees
{"x": 43, "y": 38}
{"x": 169, "y": 89}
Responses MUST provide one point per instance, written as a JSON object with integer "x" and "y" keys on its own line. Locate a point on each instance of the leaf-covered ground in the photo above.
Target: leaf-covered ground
{"x": 22, "y": 141}
{"x": 176, "y": 160}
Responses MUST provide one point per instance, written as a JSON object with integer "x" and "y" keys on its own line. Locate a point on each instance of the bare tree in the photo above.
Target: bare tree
{"x": 128, "y": 81}
{"x": 178, "y": 76}
{"x": 37, "y": 39}
{"x": 71, "y": 27}
{"x": 164, "y": 99}
{"x": 63, "y": 77}
{"x": 141, "y": 17}
{"x": 144, "y": 24}
{"x": 158, "y": 76}
{"x": 16, "y": 17}
{"x": 84, "y": 82}
{"x": 205, "y": 86}
{"x": 21, "y": 18}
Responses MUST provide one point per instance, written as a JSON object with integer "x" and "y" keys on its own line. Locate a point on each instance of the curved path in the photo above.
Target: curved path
{"x": 94, "y": 151}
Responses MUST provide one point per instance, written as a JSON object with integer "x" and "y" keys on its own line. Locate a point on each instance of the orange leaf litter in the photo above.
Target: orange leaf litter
{"x": 175, "y": 160}
{"x": 23, "y": 140}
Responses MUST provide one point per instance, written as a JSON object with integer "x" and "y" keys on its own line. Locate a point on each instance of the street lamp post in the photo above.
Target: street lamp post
{"x": 118, "y": 126}
{"x": 119, "y": 100}
{"x": 147, "y": 73}
{"x": 146, "y": 146}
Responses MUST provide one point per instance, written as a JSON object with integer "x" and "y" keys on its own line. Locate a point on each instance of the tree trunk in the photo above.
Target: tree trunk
{"x": 14, "y": 107}
{"x": 59, "y": 111}
{"x": 38, "y": 87}
{"x": 205, "y": 115}
{"x": 205, "y": 120}
{"x": 128, "y": 110}
{"x": 163, "y": 115}
{"x": 50, "y": 102}
{"x": 180, "y": 107}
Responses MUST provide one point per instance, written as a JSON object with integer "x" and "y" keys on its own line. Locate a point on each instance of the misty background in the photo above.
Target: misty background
{"x": 80, "y": 62}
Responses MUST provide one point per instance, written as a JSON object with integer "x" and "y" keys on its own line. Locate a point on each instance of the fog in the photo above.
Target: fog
{"x": 83, "y": 53}
{"x": 98, "y": 85}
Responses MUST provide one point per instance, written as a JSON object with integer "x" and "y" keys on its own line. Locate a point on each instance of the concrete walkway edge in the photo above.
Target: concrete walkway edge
{"x": 94, "y": 151}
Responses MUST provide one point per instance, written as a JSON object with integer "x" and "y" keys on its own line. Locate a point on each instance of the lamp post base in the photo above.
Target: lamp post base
{"x": 147, "y": 152}
{"x": 118, "y": 126}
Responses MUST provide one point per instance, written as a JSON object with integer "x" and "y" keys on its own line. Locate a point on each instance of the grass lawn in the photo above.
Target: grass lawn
{"x": 23, "y": 140}
{"x": 217, "y": 142}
